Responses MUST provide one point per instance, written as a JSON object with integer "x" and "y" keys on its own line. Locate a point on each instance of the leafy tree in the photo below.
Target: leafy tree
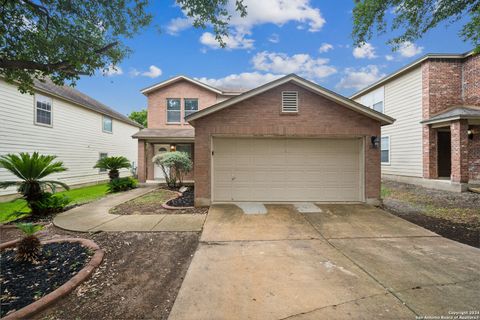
{"x": 29, "y": 248}
{"x": 30, "y": 169}
{"x": 174, "y": 166}
{"x": 139, "y": 117}
{"x": 63, "y": 39}
{"x": 113, "y": 165}
{"x": 415, "y": 18}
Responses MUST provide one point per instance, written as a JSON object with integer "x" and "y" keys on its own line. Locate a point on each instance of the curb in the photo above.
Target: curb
{"x": 82, "y": 275}
{"x": 166, "y": 206}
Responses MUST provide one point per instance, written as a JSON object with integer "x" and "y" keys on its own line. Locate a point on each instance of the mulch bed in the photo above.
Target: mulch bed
{"x": 185, "y": 200}
{"x": 24, "y": 283}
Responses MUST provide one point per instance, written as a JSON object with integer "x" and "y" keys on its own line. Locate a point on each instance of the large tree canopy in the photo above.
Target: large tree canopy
{"x": 413, "y": 18}
{"x": 63, "y": 39}
{"x": 139, "y": 117}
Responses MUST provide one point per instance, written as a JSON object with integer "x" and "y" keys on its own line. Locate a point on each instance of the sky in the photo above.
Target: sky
{"x": 311, "y": 38}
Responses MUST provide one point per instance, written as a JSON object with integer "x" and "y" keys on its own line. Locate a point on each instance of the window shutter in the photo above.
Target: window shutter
{"x": 289, "y": 101}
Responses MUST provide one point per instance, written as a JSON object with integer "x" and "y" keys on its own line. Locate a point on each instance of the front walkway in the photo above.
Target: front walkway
{"x": 95, "y": 216}
{"x": 340, "y": 262}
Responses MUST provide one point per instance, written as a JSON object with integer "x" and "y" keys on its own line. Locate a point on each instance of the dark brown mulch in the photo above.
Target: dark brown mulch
{"x": 24, "y": 283}
{"x": 185, "y": 200}
{"x": 452, "y": 215}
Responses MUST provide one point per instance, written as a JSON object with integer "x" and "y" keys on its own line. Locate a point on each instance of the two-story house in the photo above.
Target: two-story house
{"x": 64, "y": 122}
{"x": 169, "y": 102}
{"x": 435, "y": 141}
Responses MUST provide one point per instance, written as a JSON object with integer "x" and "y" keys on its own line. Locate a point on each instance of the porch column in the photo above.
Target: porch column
{"x": 149, "y": 155}
{"x": 459, "y": 134}
{"x": 430, "y": 153}
{"x": 141, "y": 168}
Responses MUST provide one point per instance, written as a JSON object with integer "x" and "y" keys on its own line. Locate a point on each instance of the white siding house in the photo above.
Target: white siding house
{"x": 401, "y": 142}
{"x": 63, "y": 122}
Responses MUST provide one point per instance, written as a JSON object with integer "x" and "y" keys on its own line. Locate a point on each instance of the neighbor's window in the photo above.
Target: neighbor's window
{"x": 173, "y": 111}
{"x": 191, "y": 106}
{"x": 385, "y": 149}
{"x": 43, "y": 110}
{"x": 103, "y": 155}
{"x": 107, "y": 124}
{"x": 378, "y": 106}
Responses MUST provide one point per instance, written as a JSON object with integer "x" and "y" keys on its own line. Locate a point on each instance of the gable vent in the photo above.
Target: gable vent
{"x": 289, "y": 101}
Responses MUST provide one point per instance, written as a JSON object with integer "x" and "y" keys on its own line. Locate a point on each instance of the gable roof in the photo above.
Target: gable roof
{"x": 408, "y": 67}
{"x": 330, "y": 95}
{"x": 170, "y": 81}
{"x": 455, "y": 113}
{"x": 72, "y": 95}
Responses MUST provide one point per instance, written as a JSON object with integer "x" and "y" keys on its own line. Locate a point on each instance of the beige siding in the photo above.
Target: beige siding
{"x": 403, "y": 101}
{"x": 76, "y": 136}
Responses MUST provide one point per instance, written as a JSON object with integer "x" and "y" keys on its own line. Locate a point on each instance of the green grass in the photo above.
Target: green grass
{"x": 385, "y": 192}
{"x": 9, "y": 210}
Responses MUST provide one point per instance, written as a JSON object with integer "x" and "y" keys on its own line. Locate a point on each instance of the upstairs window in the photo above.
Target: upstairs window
{"x": 107, "y": 124}
{"x": 173, "y": 111}
{"x": 289, "y": 101}
{"x": 375, "y": 99}
{"x": 191, "y": 106}
{"x": 385, "y": 149}
{"x": 378, "y": 106}
{"x": 43, "y": 110}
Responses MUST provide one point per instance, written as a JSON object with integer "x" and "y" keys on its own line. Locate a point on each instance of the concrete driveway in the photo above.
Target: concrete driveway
{"x": 341, "y": 262}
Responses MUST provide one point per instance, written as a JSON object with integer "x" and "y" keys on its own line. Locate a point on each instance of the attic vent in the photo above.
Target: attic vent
{"x": 289, "y": 101}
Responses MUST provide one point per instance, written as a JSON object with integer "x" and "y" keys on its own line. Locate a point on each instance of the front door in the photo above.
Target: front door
{"x": 444, "y": 154}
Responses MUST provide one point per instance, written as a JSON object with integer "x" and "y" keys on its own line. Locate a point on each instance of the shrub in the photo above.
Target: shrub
{"x": 50, "y": 203}
{"x": 121, "y": 184}
{"x": 113, "y": 165}
{"x": 30, "y": 169}
{"x": 29, "y": 248}
{"x": 174, "y": 166}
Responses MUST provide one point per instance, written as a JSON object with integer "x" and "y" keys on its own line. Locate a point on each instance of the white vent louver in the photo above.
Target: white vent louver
{"x": 289, "y": 101}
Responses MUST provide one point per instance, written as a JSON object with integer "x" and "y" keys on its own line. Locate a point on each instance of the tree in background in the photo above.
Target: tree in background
{"x": 139, "y": 116}
{"x": 63, "y": 39}
{"x": 414, "y": 18}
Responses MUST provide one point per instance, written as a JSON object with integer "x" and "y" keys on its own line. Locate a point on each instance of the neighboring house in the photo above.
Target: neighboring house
{"x": 64, "y": 122}
{"x": 435, "y": 141}
{"x": 288, "y": 140}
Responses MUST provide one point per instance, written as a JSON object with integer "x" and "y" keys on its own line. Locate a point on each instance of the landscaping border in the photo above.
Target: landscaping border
{"x": 82, "y": 275}
{"x": 166, "y": 206}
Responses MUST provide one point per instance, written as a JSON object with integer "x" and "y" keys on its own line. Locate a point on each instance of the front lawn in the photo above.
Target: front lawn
{"x": 9, "y": 210}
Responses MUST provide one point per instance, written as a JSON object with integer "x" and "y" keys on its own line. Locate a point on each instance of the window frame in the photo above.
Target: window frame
{"x": 389, "y": 149}
{"x": 103, "y": 124}
{"x": 100, "y": 170}
{"x": 185, "y": 107}
{"x": 180, "y": 111}
{"x": 383, "y": 106}
{"x": 35, "y": 109}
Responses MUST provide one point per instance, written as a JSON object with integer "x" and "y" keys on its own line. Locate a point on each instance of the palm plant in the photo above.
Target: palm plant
{"x": 30, "y": 169}
{"x": 29, "y": 248}
{"x": 113, "y": 165}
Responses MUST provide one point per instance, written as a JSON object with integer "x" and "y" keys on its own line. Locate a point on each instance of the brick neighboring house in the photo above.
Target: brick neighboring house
{"x": 435, "y": 141}
{"x": 288, "y": 140}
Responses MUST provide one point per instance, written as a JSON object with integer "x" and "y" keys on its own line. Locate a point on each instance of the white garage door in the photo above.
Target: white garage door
{"x": 251, "y": 169}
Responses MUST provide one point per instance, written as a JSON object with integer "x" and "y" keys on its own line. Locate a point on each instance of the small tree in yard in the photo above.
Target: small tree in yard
{"x": 29, "y": 248}
{"x": 30, "y": 169}
{"x": 113, "y": 165}
{"x": 174, "y": 166}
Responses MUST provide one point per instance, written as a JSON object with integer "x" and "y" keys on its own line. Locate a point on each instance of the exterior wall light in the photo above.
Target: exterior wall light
{"x": 470, "y": 134}
{"x": 173, "y": 147}
{"x": 375, "y": 142}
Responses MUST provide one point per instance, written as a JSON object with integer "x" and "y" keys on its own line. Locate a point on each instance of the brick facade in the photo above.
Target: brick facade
{"x": 447, "y": 83}
{"x": 260, "y": 116}
{"x": 474, "y": 155}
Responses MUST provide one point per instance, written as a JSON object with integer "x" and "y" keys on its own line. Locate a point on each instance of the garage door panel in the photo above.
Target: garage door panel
{"x": 258, "y": 169}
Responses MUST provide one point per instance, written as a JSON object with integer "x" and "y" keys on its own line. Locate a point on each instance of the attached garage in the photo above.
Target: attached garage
{"x": 279, "y": 169}
{"x": 286, "y": 141}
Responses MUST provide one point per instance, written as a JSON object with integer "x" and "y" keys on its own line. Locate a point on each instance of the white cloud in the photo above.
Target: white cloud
{"x": 302, "y": 64}
{"x": 274, "y": 38}
{"x": 244, "y": 81}
{"x": 134, "y": 72}
{"x": 234, "y": 41}
{"x": 153, "y": 72}
{"x": 409, "y": 49}
{"x": 325, "y": 47}
{"x": 112, "y": 71}
{"x": 360, "y": 78}
{"x": 364, "y": 51}
{"x": 177, "y": 25}
{"x": 389, "y": 57}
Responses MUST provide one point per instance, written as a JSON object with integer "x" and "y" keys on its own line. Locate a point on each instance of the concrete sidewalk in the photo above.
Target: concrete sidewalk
{"x": 95, "y": 216}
